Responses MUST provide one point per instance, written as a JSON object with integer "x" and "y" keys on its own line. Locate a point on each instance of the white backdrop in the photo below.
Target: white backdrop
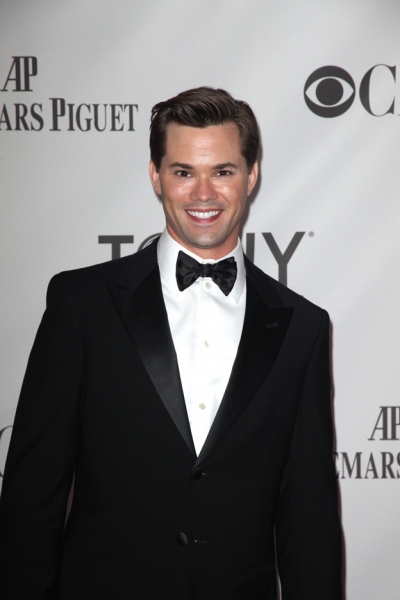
{"x": 334, "y": 178}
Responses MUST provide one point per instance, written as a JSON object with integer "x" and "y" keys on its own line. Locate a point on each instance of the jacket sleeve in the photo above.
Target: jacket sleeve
{"x": 308, "y": 533}
{"x": 40, "y": 462}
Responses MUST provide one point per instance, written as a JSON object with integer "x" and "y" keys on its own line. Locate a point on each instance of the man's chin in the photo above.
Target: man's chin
{"x": 205, "y": 242}
{"x": 202, "y": 241}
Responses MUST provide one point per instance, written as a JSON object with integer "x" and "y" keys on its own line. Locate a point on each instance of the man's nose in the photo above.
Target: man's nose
{"x": 204, "y": 190}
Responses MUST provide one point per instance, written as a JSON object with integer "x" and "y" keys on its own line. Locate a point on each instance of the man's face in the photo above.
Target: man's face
{"x": 204, "y": 183}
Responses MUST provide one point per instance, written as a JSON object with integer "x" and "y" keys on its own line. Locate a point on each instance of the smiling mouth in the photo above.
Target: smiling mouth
{"x": 204, "y": 215}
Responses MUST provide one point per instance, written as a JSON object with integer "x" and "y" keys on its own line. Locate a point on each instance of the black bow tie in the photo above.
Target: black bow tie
{"x": 223, "y": 273}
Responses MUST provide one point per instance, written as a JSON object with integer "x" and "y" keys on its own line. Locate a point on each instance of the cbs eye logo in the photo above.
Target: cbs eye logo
{"x": 330, "y": 91}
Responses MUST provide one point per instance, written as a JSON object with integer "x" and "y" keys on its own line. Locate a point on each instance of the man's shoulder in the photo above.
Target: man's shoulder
{"x": 127, "y": 271}
{"x": 114, "y": 271}
{"x": 276, "y": 294}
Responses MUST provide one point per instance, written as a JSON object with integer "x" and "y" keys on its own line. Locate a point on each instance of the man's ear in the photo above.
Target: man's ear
{"x": 252, "y": 178}
{"x": 155, "y": 178}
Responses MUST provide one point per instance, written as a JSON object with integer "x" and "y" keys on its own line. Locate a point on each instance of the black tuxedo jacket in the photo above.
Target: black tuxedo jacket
{"x": 102, "y": 399}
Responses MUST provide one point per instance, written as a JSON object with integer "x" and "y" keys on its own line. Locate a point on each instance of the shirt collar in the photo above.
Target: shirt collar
{"x": 167, "y": 254}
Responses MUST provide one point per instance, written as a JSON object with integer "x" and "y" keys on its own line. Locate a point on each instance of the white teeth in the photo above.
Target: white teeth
{"x": 203, "y": 215}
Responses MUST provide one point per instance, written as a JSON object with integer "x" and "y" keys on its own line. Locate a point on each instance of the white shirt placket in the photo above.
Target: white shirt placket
{"x": 203, "y": 388}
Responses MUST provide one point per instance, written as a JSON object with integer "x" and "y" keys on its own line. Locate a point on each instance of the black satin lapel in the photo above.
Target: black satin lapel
{"x": 263, "y": 332}
{"x": 145, "y": 318}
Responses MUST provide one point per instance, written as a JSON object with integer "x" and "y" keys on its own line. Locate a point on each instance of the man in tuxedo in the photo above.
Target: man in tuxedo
{"x": 188, "y": 393}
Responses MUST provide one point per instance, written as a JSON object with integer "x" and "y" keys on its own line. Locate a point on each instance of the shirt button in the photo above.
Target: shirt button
{"x": 207, "y": 285}
{"x": 202, "y": 406}
{"x": 207, "y": 345}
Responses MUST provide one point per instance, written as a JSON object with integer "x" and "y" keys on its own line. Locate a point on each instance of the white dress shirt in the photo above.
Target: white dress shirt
{"x": 206, "y": 327}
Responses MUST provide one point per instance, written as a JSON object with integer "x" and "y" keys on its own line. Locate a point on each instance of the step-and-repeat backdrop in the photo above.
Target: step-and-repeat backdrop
{"x": 77, "y": 82}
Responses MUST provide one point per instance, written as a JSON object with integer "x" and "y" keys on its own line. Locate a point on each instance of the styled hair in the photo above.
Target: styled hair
{"x": 202, "y": 107}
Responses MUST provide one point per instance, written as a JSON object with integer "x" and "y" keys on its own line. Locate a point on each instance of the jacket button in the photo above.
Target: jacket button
{"x": 197, "y": 473}
{"x": 181, "y": 538}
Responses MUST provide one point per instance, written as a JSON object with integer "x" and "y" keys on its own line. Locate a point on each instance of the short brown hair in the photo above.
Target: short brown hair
{"x": 202, "y": 107}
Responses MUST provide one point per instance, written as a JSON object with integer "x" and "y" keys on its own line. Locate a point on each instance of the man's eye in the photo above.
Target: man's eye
{"x": 182, "y": 173}
{"x": 224, "y": 173}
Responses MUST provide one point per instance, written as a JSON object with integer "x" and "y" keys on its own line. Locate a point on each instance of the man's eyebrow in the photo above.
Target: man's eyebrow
{"x": 219, "y": 166}
{"x": 226, "y": 165}
{"x": 180, "y": 165}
